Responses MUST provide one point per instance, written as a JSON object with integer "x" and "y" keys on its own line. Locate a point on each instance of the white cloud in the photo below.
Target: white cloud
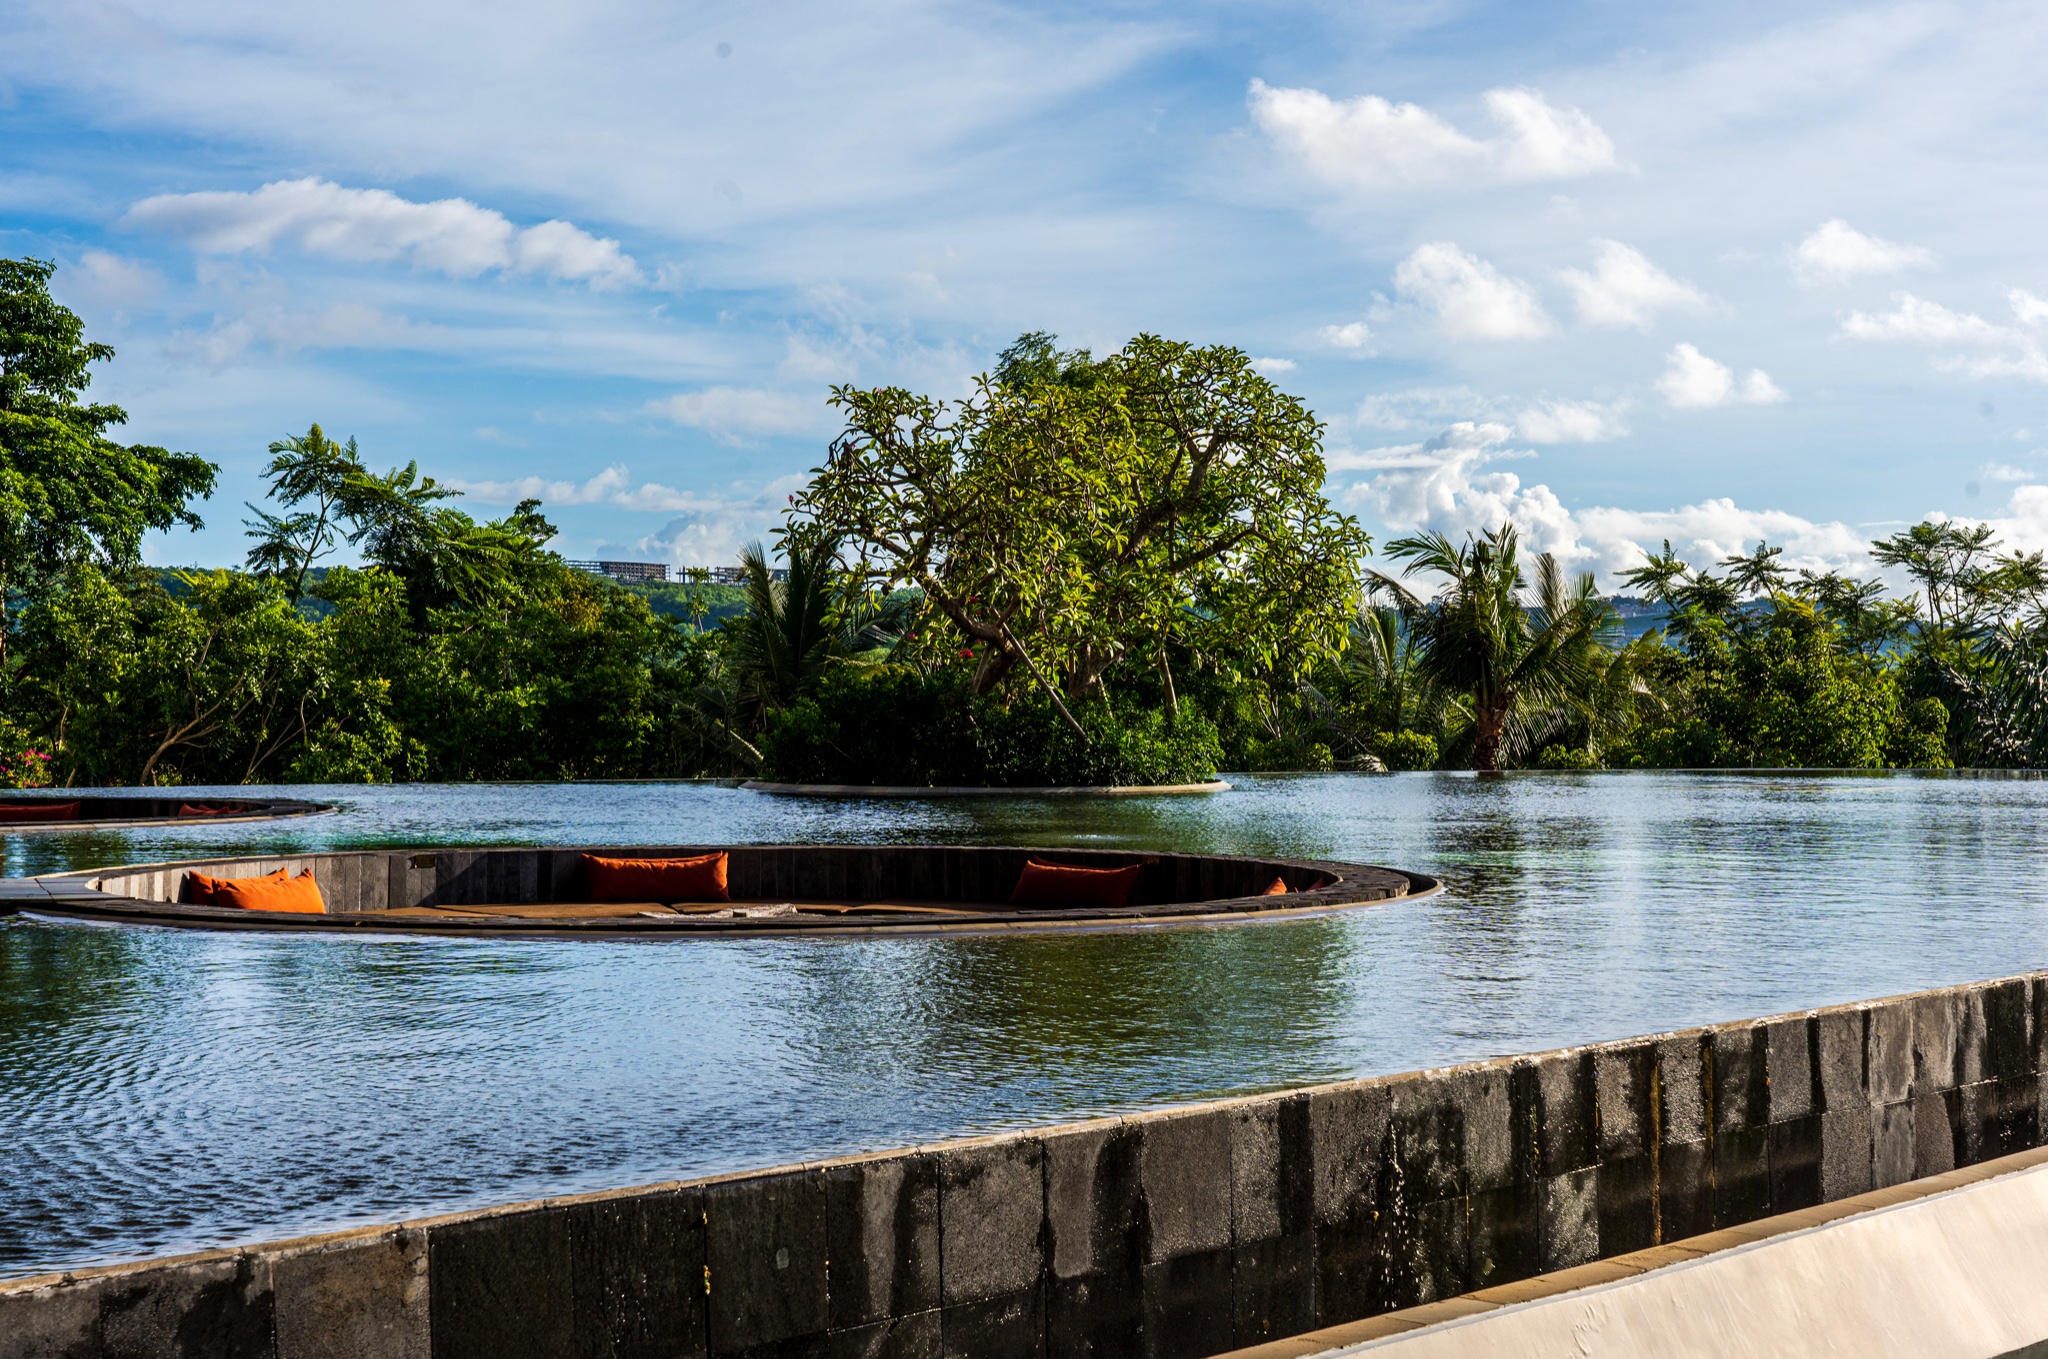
{"x": 2002, "y": 351}
{"x": 1476, "y": 437}
{"x": 1445, "y": 487}
{"x": 1836, "y": 252}
{"x": 731, "y": 412}
{"x": 1355, "y": 336}
{"x": 1271, "y": 366}
{"x": 712, "y": 531}
{"x": 1420, "y": 407}
{"x": 452, "y": 236}
{"x": 1692, "y": 381}
{"x": 345, "y": 325}
{"x": 612, "y": 486}
{"x": 1570, "y": 422}
{"x": 111, "y": 280}
{"x": 1626, "y": 289}
{"x": 1472, "y": 299}
{"x": 1370, "y": 143}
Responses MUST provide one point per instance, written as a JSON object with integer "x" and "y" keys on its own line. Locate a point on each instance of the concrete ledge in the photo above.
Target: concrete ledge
{"x": 856, "y": 790}
{"x": 1374, "y": 1208}
{"x": 1355, "y": 1337}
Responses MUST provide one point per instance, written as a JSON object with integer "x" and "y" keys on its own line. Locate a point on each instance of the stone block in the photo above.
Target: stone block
{"x": 1426, "y": 1135}
{"x": 1838, "y": 1062}
{"x": 1682, "y": 1088}
{"x": 916, "y": 1336}
{"x": 2037, "y": 989}
{"x": 1094, "y": 1202}
{"x": 1891, "y": 1143}
{"x": 1438, "y": 1263}
{"x": 1504, "y": 1234}
{"x": 1570, "y": 1217}
{"x": 1271, "y": 1170}
{"x": 1094, "y": 1315}
{"x": 1187, "y": 1306}
{"x": 1742, "y": 1176}
{"x": 1627, "y": 1204}
{"x": 1553, "y": 1106}
{"x": 992, "y": 1220}
{"x": 1938, "y": 1034}
{"x": 882, "y": 1230}
{"x": 1273, "y": 1284}
{"x": 1624, "y": 1081}
{"x": 1008, "y": 1327}
{"x": 1795, "y": 1149}
{"x": 1685, "y": 1190}
{"x": 1185, "y": 1171}
{"x": 2017, "y": 1124}
{"x": 1791, "y": 1073}
{"x": 2008, "y": 1029}
{"x": 1847, "y": 1167}
{"x": 1973, "y": 1041}
{"x": 58, "y": 1322}
{"x": 1482, "y": 1097}
{"x": 1888, "y": 1051}
{"x": 363, "y": 1298}
{"x": 1347, "y": 1127}
{"x": 500, "y": 1287}
{"x": 1344, "y": 1270}
{"x": 765, "y": 1261}
{"x": 222, "y": 1305}
{"x": 637, "y": 1276}
{"x": 1934, "y": 1133}
{"x": 1739, "y": 1074}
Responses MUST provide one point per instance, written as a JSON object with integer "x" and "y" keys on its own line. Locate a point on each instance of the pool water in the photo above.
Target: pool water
{"x": 165, "y": 1090}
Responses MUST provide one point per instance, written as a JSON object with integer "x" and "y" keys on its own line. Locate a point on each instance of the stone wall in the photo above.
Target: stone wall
{"x": 1179, "y": 1233}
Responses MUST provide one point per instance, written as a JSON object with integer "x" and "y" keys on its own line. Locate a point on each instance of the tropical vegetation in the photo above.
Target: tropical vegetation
{"x": 1117, "y": 569}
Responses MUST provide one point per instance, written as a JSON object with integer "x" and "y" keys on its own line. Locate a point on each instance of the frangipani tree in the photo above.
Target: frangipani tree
{"x": 1074, "y": 514}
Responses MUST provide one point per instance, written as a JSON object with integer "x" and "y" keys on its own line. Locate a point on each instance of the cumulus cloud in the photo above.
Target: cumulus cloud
{"x": 1837, "y": 253}
{"x": 1447, "y": 485}
{"x": 612, "y": 486}
{"x": 1472, "y": 300}
{"x": 1355, "y": 336}
{"x": 1369, "y": 143}
{"x": 1570, "y": 422}
{"x": 1421, "y": 408}
{"x": 712, "y": 531}
{"x": 732, "y": 413}
{"x": 285, "y": 330}
{"x": 111, "y": 280}
{"x": 1989, "y": 349}
{"x": 1692, "y": 381}
{"x": 1271, "y": 366}
{"x": 452, "y": 236}
{"x": 1626, "y": 289}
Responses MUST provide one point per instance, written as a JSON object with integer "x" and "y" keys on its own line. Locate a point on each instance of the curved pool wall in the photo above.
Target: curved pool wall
{"x": 362, "y": 889}
{"x": 1174, "y": 1234}
{"x": 98, "y": 811}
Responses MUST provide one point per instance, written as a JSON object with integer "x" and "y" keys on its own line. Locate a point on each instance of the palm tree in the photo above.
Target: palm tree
{"x": 779, "y": 648}
{"x": 1759, "y": 573}
{"x": 1479, "y": 636}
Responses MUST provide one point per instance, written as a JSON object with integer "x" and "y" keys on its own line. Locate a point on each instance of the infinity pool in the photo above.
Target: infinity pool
{"x": 163, "y": 1091}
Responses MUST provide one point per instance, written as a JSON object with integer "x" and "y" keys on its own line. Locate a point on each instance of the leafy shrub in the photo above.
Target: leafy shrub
{"x": 1566, "y": 757}
{"x": 1406, "y": 749}
{"x": 890, "y": 725}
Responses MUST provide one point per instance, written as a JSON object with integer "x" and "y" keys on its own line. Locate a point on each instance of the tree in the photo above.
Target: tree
{"x": 1759, "y": 575}
{"x": 68, "y": 493}
{"x": 1074, "y": 514}
{"x": 1949, "y": 562}
{"x": 777, "y": 651}
{"x": 310, "y": 470}
{"x": 1517, "y": 660}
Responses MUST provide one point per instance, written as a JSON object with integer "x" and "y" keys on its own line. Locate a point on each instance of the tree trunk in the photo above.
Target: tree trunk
{"x": 1489, "y": 724}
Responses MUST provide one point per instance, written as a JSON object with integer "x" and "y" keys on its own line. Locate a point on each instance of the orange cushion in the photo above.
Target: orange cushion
{"x": 200, "y": 887}
{"x": 274, "y": 893}
{"x": 1066, "y": 885}
{"x": 701, "y": 878}
{"x": 41, "y": 811}
{"x": 1276, "y": 888}
{"x": 202, "y": 809}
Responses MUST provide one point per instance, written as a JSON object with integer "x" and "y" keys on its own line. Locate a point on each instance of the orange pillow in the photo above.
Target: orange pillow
{"x": 697, "y": 879}
{"x": 275, "y": 893}
{"x": 202, "y": 809}
{"x": 201, "y": 887}
{"x": 1066, "y": 885}
{"x": 1276, "y": 888}
{"x": 40, "y": 811}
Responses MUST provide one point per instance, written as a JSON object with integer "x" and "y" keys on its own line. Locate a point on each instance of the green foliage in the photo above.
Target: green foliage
{"x": 1076, "y": 517}
{"x": 1405, "y": 750}
{"x": 68, "y": 493}
{"x": 892, "y": 725}
{"x": 1566, "y": 757}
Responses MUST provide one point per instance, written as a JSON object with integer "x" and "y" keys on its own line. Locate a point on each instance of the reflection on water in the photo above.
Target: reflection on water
{"x": 167, "y": 1090}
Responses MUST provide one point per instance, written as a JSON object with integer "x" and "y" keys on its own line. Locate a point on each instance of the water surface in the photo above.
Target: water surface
{"x": 165, "y": 1090}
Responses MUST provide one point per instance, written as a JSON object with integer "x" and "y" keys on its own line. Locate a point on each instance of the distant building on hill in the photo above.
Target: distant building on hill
{"x": 644, "y": 573}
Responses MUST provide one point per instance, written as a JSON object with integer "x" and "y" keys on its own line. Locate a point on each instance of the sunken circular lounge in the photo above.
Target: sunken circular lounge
{"x": 709, "y": 891}
{"x": 59, "y": 812}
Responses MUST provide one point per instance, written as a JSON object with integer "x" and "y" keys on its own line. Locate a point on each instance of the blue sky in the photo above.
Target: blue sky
{"x": 1623, "y": 272}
